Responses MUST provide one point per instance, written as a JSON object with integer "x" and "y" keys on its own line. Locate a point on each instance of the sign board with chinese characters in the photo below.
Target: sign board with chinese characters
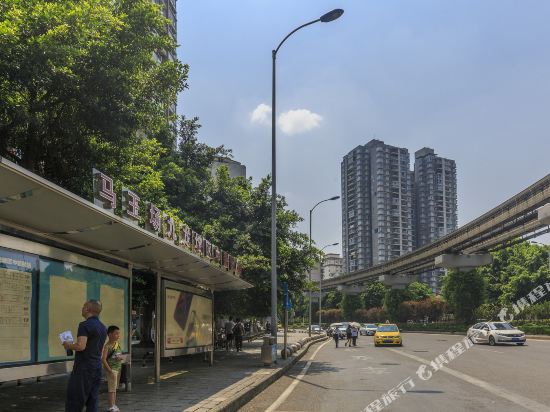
{"x": 17, "y": 306}
{"x": 159, "y": 223}
{"x": 104, "y": 191}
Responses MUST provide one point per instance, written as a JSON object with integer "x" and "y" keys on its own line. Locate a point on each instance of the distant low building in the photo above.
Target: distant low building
{"x": 333, "y": 266}
{"x": 235, "y": 168}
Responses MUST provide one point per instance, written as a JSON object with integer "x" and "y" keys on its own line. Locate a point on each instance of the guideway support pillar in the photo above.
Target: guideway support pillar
{"x": 397, "y": 281}
{"x": 544, "y": 214}
{"x": 462, "y": 262}
{"x": 349, "y": 289}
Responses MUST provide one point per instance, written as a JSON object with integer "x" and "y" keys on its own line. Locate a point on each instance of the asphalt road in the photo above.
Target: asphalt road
{"x": 483, "y": 378}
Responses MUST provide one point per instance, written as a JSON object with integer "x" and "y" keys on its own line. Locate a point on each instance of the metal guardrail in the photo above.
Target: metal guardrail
{"x": 514, "y": 217}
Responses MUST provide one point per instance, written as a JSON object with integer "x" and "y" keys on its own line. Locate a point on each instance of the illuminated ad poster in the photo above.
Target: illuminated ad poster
{"x": 17, "y": 306}
{"x": 64, "y": 287}
{"x": 188, "y": 320}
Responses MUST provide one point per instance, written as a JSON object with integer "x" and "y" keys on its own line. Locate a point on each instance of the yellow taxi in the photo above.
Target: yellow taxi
{"x": 387, "y": 334}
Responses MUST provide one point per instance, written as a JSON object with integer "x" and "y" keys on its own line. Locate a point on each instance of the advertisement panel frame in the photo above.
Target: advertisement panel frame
{"x": 11, "y": 372}
{"x": 168, "y": 284}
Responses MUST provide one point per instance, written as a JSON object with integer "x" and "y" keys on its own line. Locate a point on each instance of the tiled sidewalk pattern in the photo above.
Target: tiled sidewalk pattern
{"x": 188, "y": 383}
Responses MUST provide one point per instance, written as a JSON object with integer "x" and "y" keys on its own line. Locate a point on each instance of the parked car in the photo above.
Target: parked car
{"x": 339, "y": 328}
{"x": 316, "y": 329}
{"x": 494, "y": 333}
{"x": 368, "y": 329}
{"x": 387, "y": 334}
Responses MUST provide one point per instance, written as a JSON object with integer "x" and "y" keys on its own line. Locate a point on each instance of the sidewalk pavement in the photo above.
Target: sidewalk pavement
{"x": 187, "y": 384}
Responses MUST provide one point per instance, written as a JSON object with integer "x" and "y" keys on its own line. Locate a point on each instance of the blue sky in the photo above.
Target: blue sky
{"x": 469, "y": 78}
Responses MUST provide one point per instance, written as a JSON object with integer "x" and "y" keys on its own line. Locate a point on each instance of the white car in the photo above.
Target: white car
{"x": 368, "y": 329}
{"x": 494, "y": 333}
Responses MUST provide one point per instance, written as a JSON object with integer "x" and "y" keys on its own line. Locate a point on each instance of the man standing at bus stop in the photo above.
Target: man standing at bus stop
{"x": 83, "y": 387}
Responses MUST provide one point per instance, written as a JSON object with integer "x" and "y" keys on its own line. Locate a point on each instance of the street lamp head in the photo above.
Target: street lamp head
{"x": 334, "y": 198}
{"x": 331, "y": 15}
{"x": 335, "y": 244}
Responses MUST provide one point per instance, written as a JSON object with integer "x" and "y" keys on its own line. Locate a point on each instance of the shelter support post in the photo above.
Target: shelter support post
{"x": 213, "y": 332}
{"x": 158, "y": 326}
{"x": 130, "y": 331}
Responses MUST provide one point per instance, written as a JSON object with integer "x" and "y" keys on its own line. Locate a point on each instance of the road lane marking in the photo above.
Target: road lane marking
{"x": 294, "y": 383}
{"x": 487, "y": 350}
{"x": 375, "y": 371}
{"x": 489, "y": 387}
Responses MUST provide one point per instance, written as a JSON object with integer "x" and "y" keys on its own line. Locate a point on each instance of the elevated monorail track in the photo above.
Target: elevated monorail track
{"x": 513, "y": 220}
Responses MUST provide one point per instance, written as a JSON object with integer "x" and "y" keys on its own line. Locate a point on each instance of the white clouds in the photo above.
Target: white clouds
{"x": 299, "y": 121}
{"x": 261, "y": 114}
{"x": 291, "y": 122}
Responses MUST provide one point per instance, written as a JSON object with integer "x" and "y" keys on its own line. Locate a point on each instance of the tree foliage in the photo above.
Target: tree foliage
{"x": 392, "y": 300}
{"x": 350, "y": 303}
{"x": 515, "y": 271}
{"x": 80, "y": 87}
{"x": 418, "y": 291}
{"x": 373, "y": 295}
{"x": 464, "y": 292}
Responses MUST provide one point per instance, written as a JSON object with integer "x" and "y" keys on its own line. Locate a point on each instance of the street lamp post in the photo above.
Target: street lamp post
{"x": 325, "y": 18}
{"x": 310, "y": 217}
{"x": 321, "y": 278}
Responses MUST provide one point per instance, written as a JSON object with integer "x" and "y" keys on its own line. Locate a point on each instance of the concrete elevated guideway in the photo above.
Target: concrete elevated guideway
{"x": 523, "y": 216}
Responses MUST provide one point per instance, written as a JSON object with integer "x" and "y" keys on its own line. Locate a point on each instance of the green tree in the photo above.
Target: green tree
{"x": 332, "y": 299}
{"x": 464, "y": 292}
{"x": 80, "y": 86}
{"x": 515, "y": 271}
{"x": 392, "y": 302}
{"x": 417, "y": 291}
{"x": 373, "y": 295}
{"x": 350, "y": 303}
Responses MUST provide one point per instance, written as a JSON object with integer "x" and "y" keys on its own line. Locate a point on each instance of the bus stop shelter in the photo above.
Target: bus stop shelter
{"x": 58, "y": 250}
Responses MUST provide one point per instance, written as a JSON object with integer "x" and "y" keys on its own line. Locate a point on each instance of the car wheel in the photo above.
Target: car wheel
{"x": 492, "y": 341}
{"x": 376, "y": 345}
{"x": 519, "y": 344}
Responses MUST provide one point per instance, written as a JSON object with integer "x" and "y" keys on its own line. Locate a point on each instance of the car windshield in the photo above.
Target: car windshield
{"x": 501, "y": 326}
{"x": 388, "y": 328}
{"x": 370, "y": 325}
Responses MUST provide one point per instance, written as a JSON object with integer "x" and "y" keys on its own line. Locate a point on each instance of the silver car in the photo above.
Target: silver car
{"x": 494, "y": 333}
{"x": 368, "y": 329}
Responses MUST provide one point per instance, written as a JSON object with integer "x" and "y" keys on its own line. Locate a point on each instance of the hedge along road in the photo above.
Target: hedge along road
{"x": 483, "y": 378}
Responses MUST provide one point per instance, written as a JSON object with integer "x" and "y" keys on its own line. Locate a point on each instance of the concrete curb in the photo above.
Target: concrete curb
{"x": 245, "y": 396}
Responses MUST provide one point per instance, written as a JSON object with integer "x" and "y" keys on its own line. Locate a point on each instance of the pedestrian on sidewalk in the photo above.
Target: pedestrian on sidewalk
{"x": 238, "y": 332}
{"x": 335, "y": 336}
{"x": 83, "y": 387}
{"x": 229, "y": 325}
{"x": 112, "y": 363}
{"x": 354, "y": 334}
{"x": 348, "y": 336}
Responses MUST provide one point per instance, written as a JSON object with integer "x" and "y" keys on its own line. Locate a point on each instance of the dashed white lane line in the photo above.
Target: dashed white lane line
{"x": 520, "y": 400}
{"x": 283, "y": 397}
{"x": 487, "y": 350}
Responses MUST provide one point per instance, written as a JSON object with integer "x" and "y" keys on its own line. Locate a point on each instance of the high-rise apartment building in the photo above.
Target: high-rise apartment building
{"x": 436, "y": 203}
{"x": 389, "y": 210}
{"x": 436, "y": 198}
{"x": 377, "y": 198}
{"x": 168, "y": 9}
